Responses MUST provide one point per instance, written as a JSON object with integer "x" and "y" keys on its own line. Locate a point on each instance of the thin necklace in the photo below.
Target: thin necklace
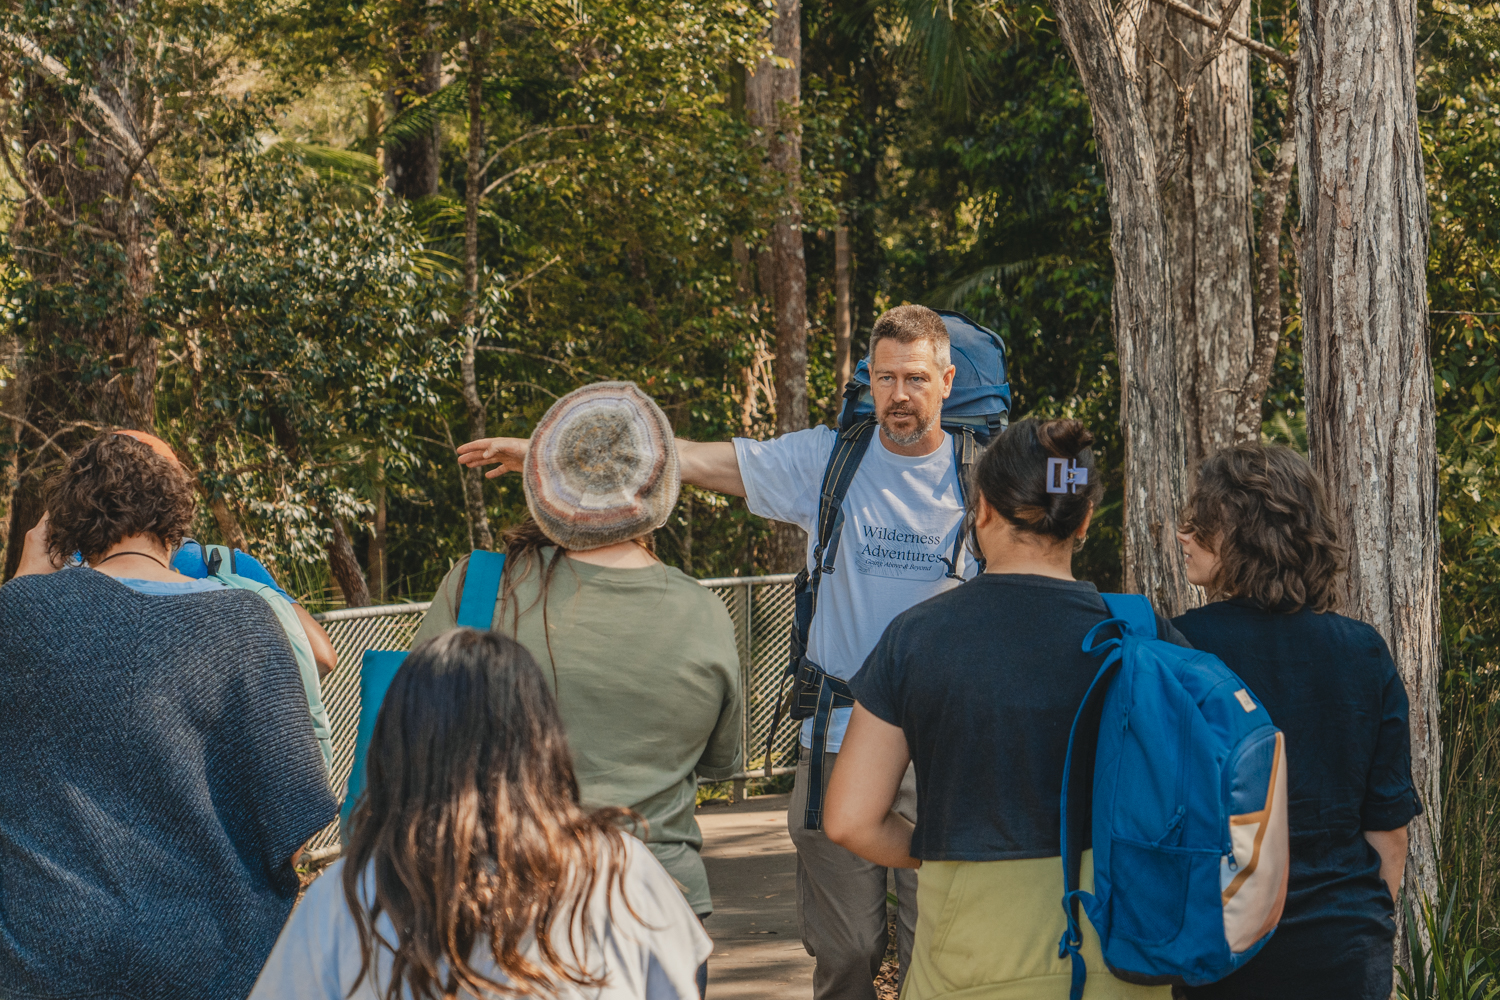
{"x": 143, "y": 555}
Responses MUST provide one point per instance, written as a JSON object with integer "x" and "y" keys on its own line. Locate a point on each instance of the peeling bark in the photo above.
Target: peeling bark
{"x": 1196, "y": 93}
{"x": 1367, "y": 372}
{"x": 1274, "y": 190}
{"x": 1144, "y": 321}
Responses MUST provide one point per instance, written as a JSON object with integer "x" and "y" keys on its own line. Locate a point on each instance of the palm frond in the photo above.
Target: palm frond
{"x": 953, "y": 294}
{"x": 418, "y": 118}
{"x": 329, "y": 158}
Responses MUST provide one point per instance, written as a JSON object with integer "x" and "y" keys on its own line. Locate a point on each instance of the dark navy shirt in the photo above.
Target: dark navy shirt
{"x": 1330, "y": 684}
{"x": 985, "y": 680}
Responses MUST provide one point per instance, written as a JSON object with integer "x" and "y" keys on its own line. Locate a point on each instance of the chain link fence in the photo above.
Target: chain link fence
{"x": 760, "y": 606}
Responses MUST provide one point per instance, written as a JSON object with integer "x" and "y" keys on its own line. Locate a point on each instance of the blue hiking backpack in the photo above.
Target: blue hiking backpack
{"x": 476, "y": 609}
{"x": 1189, "y": 810}
{"x": 976, "y": 409}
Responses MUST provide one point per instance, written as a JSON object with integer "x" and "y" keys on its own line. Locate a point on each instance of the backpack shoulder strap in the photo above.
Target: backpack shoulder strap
{"x": 1077, "y": 802}
{"x": 848, "y": 451}
{"x": 965, "y": 454}
{"x": 476, "y": 605}
{"x": 218, "y": 559}
{"x": 1135, "y": 610}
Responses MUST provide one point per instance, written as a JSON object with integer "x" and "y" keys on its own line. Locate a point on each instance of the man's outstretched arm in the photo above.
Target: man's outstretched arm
{"x": 711, "y": 465}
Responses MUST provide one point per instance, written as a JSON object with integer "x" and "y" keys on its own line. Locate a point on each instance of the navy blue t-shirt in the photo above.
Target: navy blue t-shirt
{"x": 985, "y": 680}
{"x": 1330, "y": 684}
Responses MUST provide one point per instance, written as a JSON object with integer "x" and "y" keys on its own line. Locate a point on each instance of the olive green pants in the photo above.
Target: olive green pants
{"x": 841, "y": 899}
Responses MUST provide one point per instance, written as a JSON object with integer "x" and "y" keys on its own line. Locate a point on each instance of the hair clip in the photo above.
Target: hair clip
{"x": 1064, "y": 475}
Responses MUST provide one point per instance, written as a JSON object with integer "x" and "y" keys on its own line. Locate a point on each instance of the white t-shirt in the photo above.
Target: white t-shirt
{"x": 901, "y": 517}
{"x": 655, "y": 957}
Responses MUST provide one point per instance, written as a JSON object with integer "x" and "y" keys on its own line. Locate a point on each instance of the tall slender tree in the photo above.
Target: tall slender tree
{"x": 85, "y": 222}
{"x": 1368, "y": 376}
{"x": 1196, "y": 92}
{"x": 1145, "y": 324}
{"x": 772, "y": 99}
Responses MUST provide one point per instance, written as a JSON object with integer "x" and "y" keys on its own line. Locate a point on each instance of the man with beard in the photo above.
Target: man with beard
{"x": 901, "y": 518}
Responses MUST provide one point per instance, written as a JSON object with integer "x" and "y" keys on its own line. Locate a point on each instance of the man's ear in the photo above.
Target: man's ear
{"x": 948, "y": 380}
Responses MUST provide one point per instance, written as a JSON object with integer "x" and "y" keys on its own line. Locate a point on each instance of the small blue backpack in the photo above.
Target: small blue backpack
{"x": 476, "y": 609}
{"x": 1189, "y": 810}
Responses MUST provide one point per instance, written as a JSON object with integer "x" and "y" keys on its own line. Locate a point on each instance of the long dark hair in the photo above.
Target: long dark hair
{"x": 1262, "y": 510}
{"x": 1011, "y": 475}
{"x": 472, "y": 825}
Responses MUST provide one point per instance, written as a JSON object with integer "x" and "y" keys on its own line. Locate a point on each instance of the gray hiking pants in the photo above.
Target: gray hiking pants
{"x": 841, "y": 899}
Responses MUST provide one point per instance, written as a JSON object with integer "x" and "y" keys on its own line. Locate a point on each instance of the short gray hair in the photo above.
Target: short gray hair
{"x": 910, "y": 323}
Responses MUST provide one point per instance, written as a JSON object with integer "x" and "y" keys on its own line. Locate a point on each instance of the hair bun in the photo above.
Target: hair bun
{"x": 1064, "y": 438}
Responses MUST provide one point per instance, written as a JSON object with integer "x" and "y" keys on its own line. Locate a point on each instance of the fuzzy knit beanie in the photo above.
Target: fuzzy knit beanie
{"x": 602, "y": 467}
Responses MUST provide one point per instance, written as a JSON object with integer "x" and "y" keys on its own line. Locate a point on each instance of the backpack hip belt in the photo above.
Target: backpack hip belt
{"x": 817, "y": 693}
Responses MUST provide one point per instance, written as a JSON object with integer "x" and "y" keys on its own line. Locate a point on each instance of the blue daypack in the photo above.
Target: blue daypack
{"x": 476, "y": 609}
{"x": 976, "y": 409}
{"x": 1189, "y": 810}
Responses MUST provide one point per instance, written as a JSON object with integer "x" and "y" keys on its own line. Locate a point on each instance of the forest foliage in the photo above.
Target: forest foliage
{"x": 308, "y": 315}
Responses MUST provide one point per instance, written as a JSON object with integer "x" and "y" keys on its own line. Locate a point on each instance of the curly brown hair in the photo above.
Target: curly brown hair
{"x": 1262, "y": 511}
{"x": 114, "y": 487}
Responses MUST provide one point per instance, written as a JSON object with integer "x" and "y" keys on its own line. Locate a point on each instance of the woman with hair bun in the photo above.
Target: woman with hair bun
{"x": 979, "y": 686}
{"x": 1258, "y": 536}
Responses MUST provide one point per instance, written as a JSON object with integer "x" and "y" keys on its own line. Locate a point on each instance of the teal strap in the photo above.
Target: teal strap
{"x": 476, "y": 607}
{"x": 376, "y": 672}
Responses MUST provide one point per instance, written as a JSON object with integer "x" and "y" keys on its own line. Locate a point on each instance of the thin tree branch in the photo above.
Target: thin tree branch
{"x": 59, "y": 74}
{"x": 1266, "y": 52}
{"x": 533, "y": 134}
{"x": 40, "y": 199}
{"x": 521, "y": 281}
{"x": 1185, "y": 91}
{"x": 509, "y": 174}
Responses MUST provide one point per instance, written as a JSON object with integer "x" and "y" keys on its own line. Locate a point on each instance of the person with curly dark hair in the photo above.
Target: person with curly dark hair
{"x": 159, "y": 772}
{"x": 1259, "y": 537}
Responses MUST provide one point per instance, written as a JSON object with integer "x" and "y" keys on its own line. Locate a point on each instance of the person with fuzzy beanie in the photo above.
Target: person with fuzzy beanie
{"x": 642, "y": 659}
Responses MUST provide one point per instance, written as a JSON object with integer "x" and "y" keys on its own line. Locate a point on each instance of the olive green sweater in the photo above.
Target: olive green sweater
{"x": 647, "y": 677}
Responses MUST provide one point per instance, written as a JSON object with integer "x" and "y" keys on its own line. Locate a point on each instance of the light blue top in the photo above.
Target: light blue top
{"x": 169, "y": 588}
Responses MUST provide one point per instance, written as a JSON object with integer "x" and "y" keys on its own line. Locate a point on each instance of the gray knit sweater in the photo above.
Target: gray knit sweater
{"x": 157, "y": 770}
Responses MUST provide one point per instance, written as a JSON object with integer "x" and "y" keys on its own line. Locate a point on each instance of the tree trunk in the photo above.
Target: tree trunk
{"x": 1368, "y": 377}
{"x": 1197, "y": 101}
{"x": 843, "y": 364}
{"x": 93, "y": 362}
{"x": 480, "y": 536}
{"x": 413, "y": 167}
{"x": 1144, "y": 322}
{"x": 767, "y": 92}
{"x": 1274, "y": 190}
{"x": 345, "y": 567}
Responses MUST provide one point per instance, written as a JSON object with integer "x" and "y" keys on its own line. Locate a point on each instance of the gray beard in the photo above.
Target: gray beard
{"x": 906, "y": 440}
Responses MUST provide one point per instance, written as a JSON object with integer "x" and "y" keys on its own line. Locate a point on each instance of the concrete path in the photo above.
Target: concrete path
{"x": 752, "y": 868}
